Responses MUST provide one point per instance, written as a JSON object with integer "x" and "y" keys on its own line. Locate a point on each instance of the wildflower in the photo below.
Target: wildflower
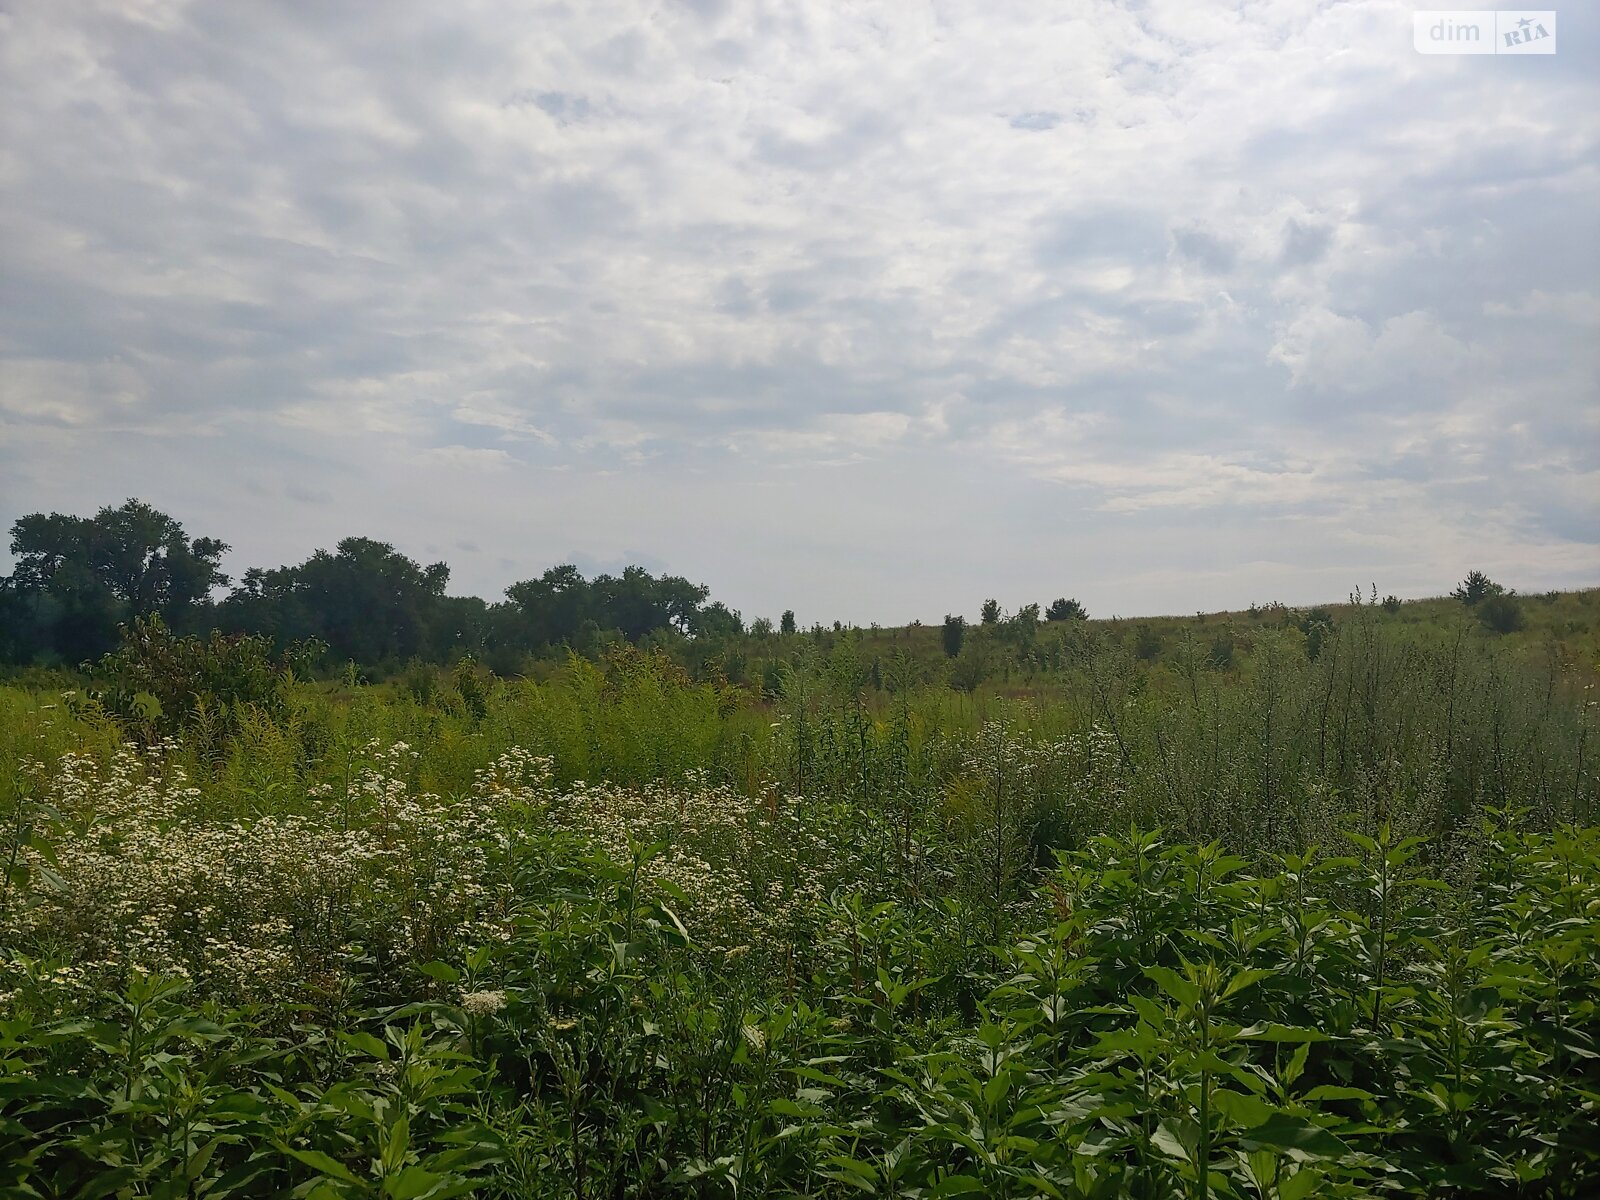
{"x": 483, "y": 1004}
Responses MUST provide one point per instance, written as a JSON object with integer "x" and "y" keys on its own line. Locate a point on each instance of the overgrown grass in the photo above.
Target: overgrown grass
{"x": 620, "y": 933}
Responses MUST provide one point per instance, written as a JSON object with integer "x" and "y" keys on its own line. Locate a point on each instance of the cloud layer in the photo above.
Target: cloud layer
{"x": 868, "y": 311}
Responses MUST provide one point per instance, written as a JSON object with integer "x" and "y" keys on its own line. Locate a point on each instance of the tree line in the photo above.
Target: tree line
{"x": 78, "y": 580}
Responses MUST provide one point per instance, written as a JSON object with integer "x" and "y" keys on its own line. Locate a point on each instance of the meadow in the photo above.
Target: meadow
{"x": 1269, "y": 904}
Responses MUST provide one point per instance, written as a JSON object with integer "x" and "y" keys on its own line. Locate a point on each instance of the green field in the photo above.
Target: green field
{"x": 1268, "y": 904}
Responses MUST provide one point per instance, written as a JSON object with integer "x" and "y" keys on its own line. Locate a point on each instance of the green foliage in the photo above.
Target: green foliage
{"x": 1064, "y": 609}
{"x": 368, "y": 603}
{"x": 1146, "y": 642}
{"x": 621, "y": 930}
{"x": 1223, "y": 648}
{"x": 1164, "y": 1020}
{"x": 1502, "y": 612}
{"x": 990, "y": 613}
{"x": 161, "y": 683}
{"x": 1476, "y": 588}
{"x": 77, "y": 578}
{"x": 953, "y": 633}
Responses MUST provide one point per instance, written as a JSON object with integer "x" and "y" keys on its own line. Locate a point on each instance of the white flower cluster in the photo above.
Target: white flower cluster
{"x": 255, "y": 908}
{"x": 258, "y": 907}
{"x": 754, "y": 869}
{"x": 482, "y": 1004}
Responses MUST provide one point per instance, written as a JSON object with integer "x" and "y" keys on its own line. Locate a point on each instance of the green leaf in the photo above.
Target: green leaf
{"x": 108, "y": 1182}
{"x": 1270, "y": 1032}
{"x": 364, "y": 1043}
{"x": 1243, "y": 1110}
{"x": 1175, "y": 985}
{"x": 1245, "y": 979}
{"x": 440, "y": 972}
{"x": 1285, "y": 1132}
{"x": 326, "y": 1164}
{"x": 1165, "y": 1139}
{"x": 416, "y": 1182}
{"x": 1328, "y": 1091}
{"x": 956, "y": 1185}
{"x": 1297, "y": 1063}
{"x": 1301, "y": 1184}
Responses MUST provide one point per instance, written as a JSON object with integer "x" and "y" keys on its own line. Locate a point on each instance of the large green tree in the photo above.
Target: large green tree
{"x": 367, "y": 601}
{"x": 560, "y": 605}
{"x": 77, "y": 578}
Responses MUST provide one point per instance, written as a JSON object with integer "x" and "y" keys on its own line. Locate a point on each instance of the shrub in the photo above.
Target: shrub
{"x": 1502, "y": 612}
{"x": 954, "y": 632}
{"x": 162, "y": 684}
{"x": 1146, "y": 642}
{"x": 1222, "y": 651}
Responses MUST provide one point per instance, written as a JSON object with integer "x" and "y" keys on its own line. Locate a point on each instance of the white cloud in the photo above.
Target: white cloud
{"x": 1325, "y": 351}
{"x": 1171, "y": 258}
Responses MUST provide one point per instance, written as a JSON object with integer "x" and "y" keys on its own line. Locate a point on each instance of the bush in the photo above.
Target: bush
{"x": 163, "y": 684}
{"x": 1502, "y": 612}
{"x": 1146, "y": 642}
{"x": 955, "y": 632}
{"x": 1222, "y": 651}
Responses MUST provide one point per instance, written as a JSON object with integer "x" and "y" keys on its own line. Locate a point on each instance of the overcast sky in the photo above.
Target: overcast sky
{"x": 866, "y": 310}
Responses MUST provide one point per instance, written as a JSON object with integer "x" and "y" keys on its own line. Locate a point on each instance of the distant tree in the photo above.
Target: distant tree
{"x": 548, "y": 611}
{"x": 1065, "y": 610}
{"x": 717, "y": 621}
{"x": 990, "y": 613}
{"x": 1475, "y": 588}
{"x": 954, "y": 632}
{"x": 1317, "y": 625}
{"x": 1146, "y": 642}
{"x": 461, "y": 626}
{"x": 761, "y": 628}
{"x": 1391, "y": 604}
{"x": 974, "y": 664}
{"x": 77, "y": 578}
{"x": 786, "y": 623}
{"x": 563, "y": 608}
{"x": 1502, "y": 612}
{"x": 638, "y": 603}
{"x": 368, "y": 602}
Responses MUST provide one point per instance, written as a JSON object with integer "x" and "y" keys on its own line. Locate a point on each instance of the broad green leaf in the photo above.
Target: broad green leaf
{"x": 1287, "y": 1132}
{"x": 1175, "y": 985}
{"x": 324, "y": 1163}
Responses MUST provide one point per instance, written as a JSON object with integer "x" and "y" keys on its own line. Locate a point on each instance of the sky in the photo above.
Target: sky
{"x": 868, "y": 311}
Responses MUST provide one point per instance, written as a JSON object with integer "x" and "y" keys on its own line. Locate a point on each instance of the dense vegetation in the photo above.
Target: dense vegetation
{"x": 1271, "y": 904}
{"x": 78, "y": 581}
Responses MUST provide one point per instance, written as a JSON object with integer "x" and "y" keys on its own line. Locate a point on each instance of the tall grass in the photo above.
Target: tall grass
{"x": 1276, "y": 924}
